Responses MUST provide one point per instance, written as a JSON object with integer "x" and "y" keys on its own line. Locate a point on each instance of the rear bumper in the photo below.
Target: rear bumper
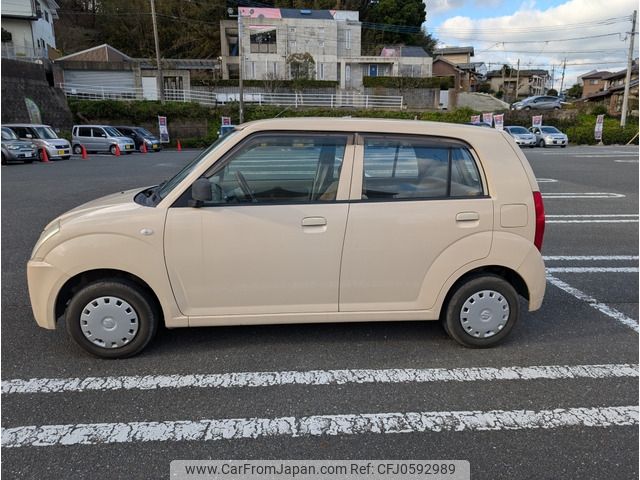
{"x": 45, "y": 281}
{"x": 533, "y": 273}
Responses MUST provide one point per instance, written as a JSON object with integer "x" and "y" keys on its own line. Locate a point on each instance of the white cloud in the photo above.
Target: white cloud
{"x": 500, "y": 40}
{"x": 434, "y": 7}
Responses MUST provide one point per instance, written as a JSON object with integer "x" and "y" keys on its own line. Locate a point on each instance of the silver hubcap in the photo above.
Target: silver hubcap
{"x": 109, "y": 322}
{"x": 484, "y": 314}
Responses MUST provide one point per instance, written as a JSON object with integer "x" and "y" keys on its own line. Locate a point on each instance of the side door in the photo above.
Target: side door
{"x": 270, "y": 240}
{"x": 99, "y": 139}
{"x": 419, "y": 211}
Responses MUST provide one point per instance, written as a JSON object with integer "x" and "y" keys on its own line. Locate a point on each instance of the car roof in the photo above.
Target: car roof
{"x": 25, "y": 125}
{"x": 369, "y": 125}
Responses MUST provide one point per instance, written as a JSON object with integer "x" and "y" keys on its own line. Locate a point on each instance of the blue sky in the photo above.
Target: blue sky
{"x": 589, "y": 34}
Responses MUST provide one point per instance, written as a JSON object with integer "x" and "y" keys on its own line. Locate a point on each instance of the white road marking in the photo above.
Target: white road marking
{"x": 592, "y": 270}
{"x": 546, "y": 180}
{"x": 582, "y": 195}
{"x": 601, "y": 307}
{"x": 316, "y": 377}
{"x": 570, "y": 258}
{"x": 608, "y": 155}
{"x": 626, "y": 161}
{"x": 606, "y": 215}
{"x": 317, "y": 425}
{"x": 593, "y": 221}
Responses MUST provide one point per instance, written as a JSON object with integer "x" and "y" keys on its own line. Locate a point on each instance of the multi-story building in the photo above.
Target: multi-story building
{"x": 593, "y": 82}
{"x": 27, "y": 28}
{"x": 529, "y": 82}
{"x": 277, "y": 41}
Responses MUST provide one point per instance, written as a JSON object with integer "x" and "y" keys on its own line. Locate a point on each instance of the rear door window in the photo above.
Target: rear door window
{"x": 84, "y": 132}
{"x": 400, "y": 168}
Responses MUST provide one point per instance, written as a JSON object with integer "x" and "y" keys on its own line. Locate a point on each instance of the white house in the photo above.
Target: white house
{"x": 27, "y": 28}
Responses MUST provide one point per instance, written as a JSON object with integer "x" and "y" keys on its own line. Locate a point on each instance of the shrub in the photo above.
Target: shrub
{"x": 442, "y": 83}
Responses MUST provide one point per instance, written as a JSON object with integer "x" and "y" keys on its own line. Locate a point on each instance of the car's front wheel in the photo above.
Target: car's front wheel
{"x": 77, "y": 149}
{"x": 112, "y": 318}
{"x": 541, "y": 143}
{"x": 481, "y": 312}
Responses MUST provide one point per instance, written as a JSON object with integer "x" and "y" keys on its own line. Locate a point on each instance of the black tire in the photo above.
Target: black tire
{"x": 112, "y": 149}
{"x": 67, "y": 157}
{"x": 452, "y": 311}
{"x": 563, "y": 146}
{"x": 527, "y": 108}
{"x": 4, "y": 159}
{"x": 141, "y": 301}
{"x": 77, "y": 149}
{"x": 541, "y": 144}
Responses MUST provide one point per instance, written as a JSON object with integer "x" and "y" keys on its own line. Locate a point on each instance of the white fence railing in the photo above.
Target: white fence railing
{"x": 337, "y": 100}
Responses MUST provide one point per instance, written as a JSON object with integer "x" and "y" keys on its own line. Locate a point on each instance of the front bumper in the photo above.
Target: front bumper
{"x": 555, "y": 142}
{"x": 56, "y": 152}
{"x": 45, "y": 281}
{"x": 527, "y": 143}
{"x": 21, "y": 155}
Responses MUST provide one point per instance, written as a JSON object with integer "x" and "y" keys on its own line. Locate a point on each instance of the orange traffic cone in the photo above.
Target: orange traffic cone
{"x": 117, "y": 150}
{"x": 43, "y": 155}
{"x": 84, "y": 152}
{"x": 179, "y": 146}
{"x": 143, "y": 148}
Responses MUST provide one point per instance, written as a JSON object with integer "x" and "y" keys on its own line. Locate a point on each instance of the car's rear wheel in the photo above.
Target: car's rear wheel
{"x": 112, "y": 318}
{"x": 481, "y": 312}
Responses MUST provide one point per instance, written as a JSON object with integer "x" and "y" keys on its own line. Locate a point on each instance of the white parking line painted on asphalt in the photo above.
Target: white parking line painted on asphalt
{"x": 582, "y": 195}
{"x": 601, "y": 307}
{"x": 592, "y": 270}
{"x": 570, "y": 258}
{"x": 316, "y": 377}
{"x": 602, "y": 218}
{"x": 317, "y": 425}
{"x": 626, "y": 161}
{"x": 546, "y": 180}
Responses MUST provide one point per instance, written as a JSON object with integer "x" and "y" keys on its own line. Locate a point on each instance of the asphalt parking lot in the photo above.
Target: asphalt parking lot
{"x": 557, "y": 400}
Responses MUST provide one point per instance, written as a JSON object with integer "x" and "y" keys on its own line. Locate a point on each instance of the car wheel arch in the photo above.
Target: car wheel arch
{"x": 78, "y": 281}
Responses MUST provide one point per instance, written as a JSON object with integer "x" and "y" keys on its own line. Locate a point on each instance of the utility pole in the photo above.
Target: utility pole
{"x": 241, "y": 68}
{"x": 240, "y": 64}
{"x": 160, "y": 81}
{"x": 625, "y": 98}
{"x": 553, "y": 78}
{"x": 517, "y": 81}
{"x": 564, "y": 65}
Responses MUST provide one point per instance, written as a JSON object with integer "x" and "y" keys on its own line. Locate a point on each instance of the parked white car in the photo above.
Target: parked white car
{"x": 522, "y": 136}
{"x": 547, "y": 136}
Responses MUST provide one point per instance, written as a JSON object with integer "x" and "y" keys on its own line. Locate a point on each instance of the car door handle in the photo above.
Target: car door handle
{"x": 314, "y": 222}
{"x": 467, "y": 217}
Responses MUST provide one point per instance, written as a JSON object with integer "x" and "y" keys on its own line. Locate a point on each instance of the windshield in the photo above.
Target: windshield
{"x": 518, "y": 130}
{"x": 112, "y": 132}
{"x": 144, "y": 132}
{"x": 550, "y": 130}
{"x": 45, "y": 133}
{"x": 178, "y": 177}
{"x": 8, "y": 134}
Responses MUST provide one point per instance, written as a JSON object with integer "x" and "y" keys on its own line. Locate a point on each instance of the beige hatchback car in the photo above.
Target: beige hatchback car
{"x": 305, "y": 220}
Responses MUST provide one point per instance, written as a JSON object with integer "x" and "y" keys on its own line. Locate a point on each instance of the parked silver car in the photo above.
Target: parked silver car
{"x": 16, "y": 150}
{"x": 547, "y": 136}
{"x": 43, "y": 136}
{"x": 100, "y": 138}
{"x": 538, "y": 102}
{"x": 522, "y": 136}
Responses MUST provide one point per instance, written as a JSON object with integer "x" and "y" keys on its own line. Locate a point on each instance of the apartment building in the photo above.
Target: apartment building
{"x": 326, "y": 44}
{"x": 27, "y": 28}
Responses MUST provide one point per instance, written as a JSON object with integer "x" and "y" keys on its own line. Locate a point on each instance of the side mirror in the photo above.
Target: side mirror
{"x": 200, "y": 193}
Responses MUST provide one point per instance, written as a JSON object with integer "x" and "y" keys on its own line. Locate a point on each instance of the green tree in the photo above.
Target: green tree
{"x": 575, "y": 91}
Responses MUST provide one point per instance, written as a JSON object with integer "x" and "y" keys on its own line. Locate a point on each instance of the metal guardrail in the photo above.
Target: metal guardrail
{"x": 296, "y": 100}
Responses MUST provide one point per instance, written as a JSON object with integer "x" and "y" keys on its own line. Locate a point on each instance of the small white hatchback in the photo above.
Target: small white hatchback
{"x": 305, "y": 220}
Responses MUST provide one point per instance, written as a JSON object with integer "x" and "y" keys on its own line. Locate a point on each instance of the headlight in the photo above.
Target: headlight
{"x": 34, "y": 146}
{"x": 13, "y": 147}
{"x": 49, "y": 232}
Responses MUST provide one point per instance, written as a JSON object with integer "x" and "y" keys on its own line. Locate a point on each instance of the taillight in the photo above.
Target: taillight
{"x": 537, "y": 201}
